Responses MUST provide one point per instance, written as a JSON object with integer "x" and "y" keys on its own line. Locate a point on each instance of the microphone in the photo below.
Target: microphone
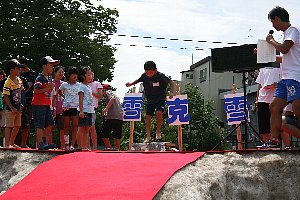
{"x": 271, "y": 32}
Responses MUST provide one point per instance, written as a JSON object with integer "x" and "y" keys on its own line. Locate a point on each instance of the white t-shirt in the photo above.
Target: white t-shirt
{"x": 288, "y": 108}
{"x": 291, "y": 60}
{"x": 88, "y": 105}
{"x": 70, "y": 92}
{"x": 95, "y": 85}
{"x": 266, "y": 77}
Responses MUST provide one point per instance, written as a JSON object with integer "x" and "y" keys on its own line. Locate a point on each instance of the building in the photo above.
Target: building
{"x": 215, "y": 85}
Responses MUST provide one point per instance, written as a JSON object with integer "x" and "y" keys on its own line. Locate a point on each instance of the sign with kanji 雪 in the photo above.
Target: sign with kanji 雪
{"x": 132, "y": 106}
{"x": 234, "y": 107}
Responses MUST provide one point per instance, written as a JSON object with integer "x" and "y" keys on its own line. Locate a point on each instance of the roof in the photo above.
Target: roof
{"x": 204, "y": 60}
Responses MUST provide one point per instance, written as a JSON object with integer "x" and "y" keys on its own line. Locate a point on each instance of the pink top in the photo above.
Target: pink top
{"x": 59, "y": 99}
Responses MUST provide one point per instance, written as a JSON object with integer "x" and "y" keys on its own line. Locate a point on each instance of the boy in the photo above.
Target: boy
{"x": 113, "y": 118}
{"x": 155, "y": 86}
{"x": 12, "y": 103}
{"x": 41, "y": 102}
{"x": 30, "y": 77}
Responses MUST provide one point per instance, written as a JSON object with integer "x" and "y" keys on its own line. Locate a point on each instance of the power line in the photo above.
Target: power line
{"x": 171, "y": 39}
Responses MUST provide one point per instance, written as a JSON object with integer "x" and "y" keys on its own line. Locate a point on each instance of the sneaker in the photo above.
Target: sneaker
{"x": 270, "y": 144}
{"x": 71, "y": 148}
{"x": 42, "y": 146}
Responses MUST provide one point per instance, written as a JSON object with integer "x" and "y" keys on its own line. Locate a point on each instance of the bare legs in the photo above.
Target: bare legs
{"x": 158, "y": 124}
{"x": 276, "y": 107}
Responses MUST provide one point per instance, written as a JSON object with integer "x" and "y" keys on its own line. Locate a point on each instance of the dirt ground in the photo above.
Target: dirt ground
{"x": 257, "y": 175}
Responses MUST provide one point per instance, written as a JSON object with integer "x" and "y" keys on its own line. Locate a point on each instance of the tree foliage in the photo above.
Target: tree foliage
{"x": 74, "y": 31}
{"x": 201, "y": 134}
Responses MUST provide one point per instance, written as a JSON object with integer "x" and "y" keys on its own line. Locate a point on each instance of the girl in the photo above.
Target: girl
{"x": 69, "y": 90}
{"x": 59, "y": 121}
{"x": 97, "y": 94}
{"x": 86, "y": 107}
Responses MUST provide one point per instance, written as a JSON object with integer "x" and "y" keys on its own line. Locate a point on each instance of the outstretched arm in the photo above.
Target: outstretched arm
{"x": 132, "y": 83}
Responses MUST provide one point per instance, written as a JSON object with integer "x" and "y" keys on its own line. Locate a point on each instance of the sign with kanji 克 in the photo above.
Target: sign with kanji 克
{"x": 178, "y": 110}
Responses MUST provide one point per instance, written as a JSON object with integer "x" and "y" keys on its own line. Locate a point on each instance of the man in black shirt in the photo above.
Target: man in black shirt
{"x": 155, "y": 87}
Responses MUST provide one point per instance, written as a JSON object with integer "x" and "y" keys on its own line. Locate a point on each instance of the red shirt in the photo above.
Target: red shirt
{"x": 42, "y": 99}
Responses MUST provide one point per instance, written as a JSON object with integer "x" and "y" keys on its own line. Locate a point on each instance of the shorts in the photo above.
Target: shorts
{"x": 94, "y": 119}
{"x": 42, "y": 116}
{"x": 12, "y": 119}
{"x": 70, "y": 112}
{"x": 288, "y": 89}
{"x": 59, "y": 122}
{"x": 159, "y": 106}
{"x": 2, "y": 118}
{"x": 86, "y": 121}
{"x": 292, "y": 120}
{"x": 263, "y": 117}
{"x": 114, "y": 126}
{"x": 26, "y": 116}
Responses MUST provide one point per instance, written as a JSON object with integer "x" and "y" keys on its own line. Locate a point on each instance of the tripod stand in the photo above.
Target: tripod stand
{"x": 246, "y": 122}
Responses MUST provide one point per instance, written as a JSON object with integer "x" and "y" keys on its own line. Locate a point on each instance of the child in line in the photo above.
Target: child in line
{"x": 97, "y": 94}
{"x": 155, "y": 87}
{"x": 59, "y": 120}
{"x": 69, "y": 91}
{"x": 86, "y": 107}
{"x": 2, "y": 118}
{"x": 13, "y": 106}
{"x": 113, "y": 122}
{"x": 41, "y": 102}
{"x": 30, "y": 76}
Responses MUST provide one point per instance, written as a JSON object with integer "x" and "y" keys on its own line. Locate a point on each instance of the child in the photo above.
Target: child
{"x": 12, "y": 99}
{"x": 155, "y": 86}
{"x": 97, "y": 94}
{"x": 43, "y": 86}
{"x": 30, "y": 76}
{"x": 267, "y": 80}
{"x": 113, "y": 118}
{"x": 86, "y": 107}
{"x": 59, "y": 121}
{"x": 69, "y": 90}
{"x": 2, "y": 118}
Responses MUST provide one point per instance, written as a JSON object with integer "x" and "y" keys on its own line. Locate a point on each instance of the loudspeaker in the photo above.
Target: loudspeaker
{"x": 237, "y": 58}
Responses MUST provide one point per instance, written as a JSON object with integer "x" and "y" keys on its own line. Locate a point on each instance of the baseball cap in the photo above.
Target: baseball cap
{"x": 11, "y": 64}
{"x": 48, "y": 59}
{"x": 106, "y": 87}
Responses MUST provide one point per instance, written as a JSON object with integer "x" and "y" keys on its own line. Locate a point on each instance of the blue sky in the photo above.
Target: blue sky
{"x": 243, "y": 22}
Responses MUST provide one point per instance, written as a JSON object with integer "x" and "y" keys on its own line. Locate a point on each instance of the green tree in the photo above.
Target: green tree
{"x": 74, "y": 31}
{"x": 201, "y": 134}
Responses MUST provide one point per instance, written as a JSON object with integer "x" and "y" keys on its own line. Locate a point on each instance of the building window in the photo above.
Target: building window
{"x": 189, "y": 76}
{"x": 203, "y": 73}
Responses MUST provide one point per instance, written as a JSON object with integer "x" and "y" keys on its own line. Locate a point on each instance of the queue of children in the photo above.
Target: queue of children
{"x": 71, "y": 105}
{"x": 51, "y": 103}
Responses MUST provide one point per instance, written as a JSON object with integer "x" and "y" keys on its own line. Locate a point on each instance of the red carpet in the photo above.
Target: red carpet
{"x": 89, "y": 175}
